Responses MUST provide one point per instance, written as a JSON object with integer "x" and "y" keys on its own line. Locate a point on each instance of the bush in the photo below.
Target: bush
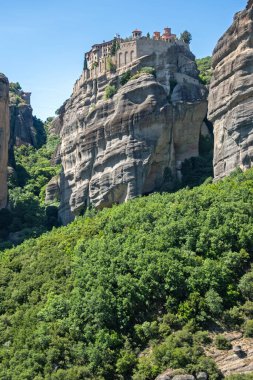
{"x": 125, "y": 77}
{"x": 186, "y": 37}
{"x": 110, "y": 91}
{"x": 222, "y": 343}
{"x": 205, "y": 69}
{"x": 248, "y": 329}
{"x": 243, "y": 376}
{"x": 246, "y": 286}
{"x": 110, "y": 65}
{"x": 143, "y": 71}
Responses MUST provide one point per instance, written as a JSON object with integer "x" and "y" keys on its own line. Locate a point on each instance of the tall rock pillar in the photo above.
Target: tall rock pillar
{"x": 4, "y": 137}
{"x": 230, "y": 102}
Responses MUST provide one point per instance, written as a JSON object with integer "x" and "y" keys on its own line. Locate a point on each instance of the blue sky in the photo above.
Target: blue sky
{"x": 42, "y": 42}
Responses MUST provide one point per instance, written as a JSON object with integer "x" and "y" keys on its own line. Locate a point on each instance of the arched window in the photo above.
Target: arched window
{"x": 126, "y": 57}
{"x": 132, "y": 56}
{"x": 120, "y": 59}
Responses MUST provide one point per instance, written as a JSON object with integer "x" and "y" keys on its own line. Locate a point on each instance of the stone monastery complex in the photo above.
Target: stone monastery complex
{"x": 119, "y": 53}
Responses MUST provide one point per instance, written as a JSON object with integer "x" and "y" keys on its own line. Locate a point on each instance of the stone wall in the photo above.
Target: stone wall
{"x": 146, "y": 46}
{"x": 127, "y": 53}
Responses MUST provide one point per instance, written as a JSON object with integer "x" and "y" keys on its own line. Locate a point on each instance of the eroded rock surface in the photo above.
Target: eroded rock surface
{"x": 113, "y": 150}
{"x": 4, "y": 137}
{"x": 22, "y": 130}
{"x": 231, "y": 96}
{"x": 229, "y": 361}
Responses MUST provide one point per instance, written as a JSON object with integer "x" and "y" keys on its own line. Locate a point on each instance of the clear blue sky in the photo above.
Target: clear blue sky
{"x": 43, "y": 41}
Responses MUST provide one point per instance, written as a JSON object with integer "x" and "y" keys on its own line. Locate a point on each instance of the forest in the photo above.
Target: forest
{"x": 126, "y": 292}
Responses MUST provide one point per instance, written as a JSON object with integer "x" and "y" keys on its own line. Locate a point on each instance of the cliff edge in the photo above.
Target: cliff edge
{"x": 231, "y": 96}
{"x": 133, "y": 141}
{"x": 4, "y": 137}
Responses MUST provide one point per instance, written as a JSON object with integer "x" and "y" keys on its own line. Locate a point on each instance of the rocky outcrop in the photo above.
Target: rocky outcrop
{"x": 237, "y": 360}
{"x": 4, "y": 137}
{"x": 22, "y": 130}
{"x": 231, "y": 96}
{"x": 170, "y": 374}
{"x": 113, "y": 150}
{"x": 52, "y": 190}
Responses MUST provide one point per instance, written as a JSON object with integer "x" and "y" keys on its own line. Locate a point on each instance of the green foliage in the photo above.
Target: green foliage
{"x": 33, "y": 170}
{"x": 186, "y": 37}
{"x": 41, "y": 136}
{"x": 14, "y": 87}
{"x": 246, "y": 285}
{"x": 248, "y": 328}
{"x": 196, "y": 170}
{"x": 15, "y": 94}
{"x": 222, "y": 343}
{"x": 125, "y": 77}
{"x": 245, "y": 376}
{"x": 128, "y": 291}
{"x": 115, "y": 46}
{"x": 110, "y": 91}
{"x": 205, "y": 69}
{"x": 110, "y": 65}
{"x": 143, "y": 71}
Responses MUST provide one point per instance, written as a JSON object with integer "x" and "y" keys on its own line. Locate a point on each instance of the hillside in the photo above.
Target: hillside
{"x": 130, "y": 291}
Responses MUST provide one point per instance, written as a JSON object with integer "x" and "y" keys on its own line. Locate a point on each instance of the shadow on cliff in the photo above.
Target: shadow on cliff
{"x": 197, "y": 170}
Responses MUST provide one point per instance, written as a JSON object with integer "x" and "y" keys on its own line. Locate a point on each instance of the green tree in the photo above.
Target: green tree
{"x": 186, "y": 37}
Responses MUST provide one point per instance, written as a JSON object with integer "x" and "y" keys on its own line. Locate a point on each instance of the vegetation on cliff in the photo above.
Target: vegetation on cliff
{"x": 130, "y": 291}
{"x": 205, "y": 69}
{"x": 27, "y": 215}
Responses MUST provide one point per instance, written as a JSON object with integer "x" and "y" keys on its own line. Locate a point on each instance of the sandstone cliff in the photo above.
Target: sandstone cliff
{"x": 134, "y": 143}
{"x": 4, "y": 137}
{"x": 22, "y": 130}
{"x": 231, "y": 96}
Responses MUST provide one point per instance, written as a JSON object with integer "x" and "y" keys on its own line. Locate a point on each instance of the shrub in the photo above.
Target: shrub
{"x": 222, "y": 343}
{"x": 248, "y": 329}
{"x": 110, "y": 91}
{"x": 205, "y": 69}
{"x": 246, "y": 286}
{"x": 125, "y": 77}
{"x": 186, "y": 37}
{"x": 143, "y": 71}
{"x": 110, "y": 65}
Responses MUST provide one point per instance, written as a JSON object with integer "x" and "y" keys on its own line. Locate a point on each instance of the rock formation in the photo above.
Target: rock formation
{"x": 22, "y": 131}
{"x": 231, "y": 96}
{"x": 134, "y": 143}
{"x": 4, "y": 137}
{"x": 230, "y": 361}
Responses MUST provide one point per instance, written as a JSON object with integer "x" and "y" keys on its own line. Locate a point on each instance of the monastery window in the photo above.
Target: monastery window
{"x": 120, "y": 59}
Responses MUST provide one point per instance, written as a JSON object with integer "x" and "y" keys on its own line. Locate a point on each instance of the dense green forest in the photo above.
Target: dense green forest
{"x": 27, "y": 214}
{"x": 130, "y": 291}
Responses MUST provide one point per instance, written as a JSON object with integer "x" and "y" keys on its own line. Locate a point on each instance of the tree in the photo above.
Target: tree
{"x": 186, "y": 37}
{"x": 115, "y": 46}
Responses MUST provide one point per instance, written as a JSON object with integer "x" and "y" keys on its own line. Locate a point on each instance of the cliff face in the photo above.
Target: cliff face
{"x": 134, "y": 143}
{"x": 4, "y": 137}
{"x": 231, "y": 96}
{"x": 22, "y": 130}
